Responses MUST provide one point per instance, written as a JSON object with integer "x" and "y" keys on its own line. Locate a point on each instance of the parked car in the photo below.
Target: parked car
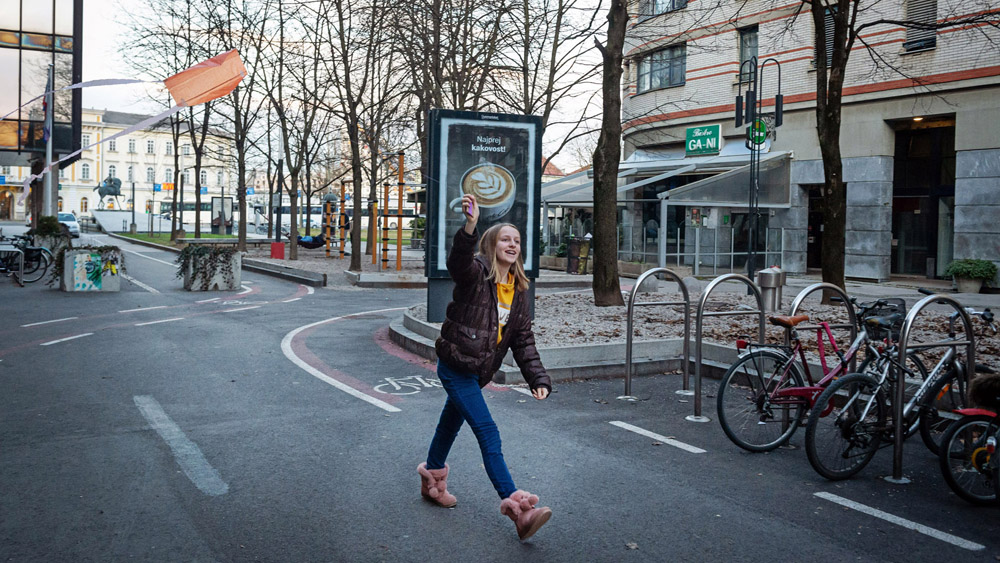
{"x": 69, "y": 221}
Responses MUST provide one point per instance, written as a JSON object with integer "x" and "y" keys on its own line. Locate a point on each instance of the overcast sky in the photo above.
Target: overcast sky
{"x": 102, "y": 31}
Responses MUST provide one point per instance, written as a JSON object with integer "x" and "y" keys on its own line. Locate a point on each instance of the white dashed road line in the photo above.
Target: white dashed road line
{"x": 186, "y": 452}
{"x": 241, "y": 309}
{"x": 653, "y": 435}
{"x": 171, "y": 264}
{"x": 50, "y": 322}
{"x": 160, "y": 321}
{"x": 290, "y": 300}
{"x": 65, "y": 339}
{"x": 920, "y": 528}
{"x": 143, "y": 309}
{"x": 140, "y": 284}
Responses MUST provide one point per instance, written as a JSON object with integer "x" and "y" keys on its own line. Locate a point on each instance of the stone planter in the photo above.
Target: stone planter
{"x": 84, "y": 270}
{"x": 224, "y": 276}
{"x": 968, "y": 285}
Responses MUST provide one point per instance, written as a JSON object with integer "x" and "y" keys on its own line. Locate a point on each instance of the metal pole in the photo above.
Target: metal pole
{"x": 50, "y": 196}
{"x": 399, "y": 220}
{"x": 279, "y": 180}
{"x": 132, "y": 226}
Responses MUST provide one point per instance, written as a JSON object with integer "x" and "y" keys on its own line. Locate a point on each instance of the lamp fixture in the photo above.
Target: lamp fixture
{"x": 918, "y": 118}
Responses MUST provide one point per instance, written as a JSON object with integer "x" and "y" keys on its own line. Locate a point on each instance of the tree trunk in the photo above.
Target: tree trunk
{"x": 607, "y": 291}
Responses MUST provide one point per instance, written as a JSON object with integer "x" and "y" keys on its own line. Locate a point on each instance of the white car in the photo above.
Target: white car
{"x": 69, "y": 220}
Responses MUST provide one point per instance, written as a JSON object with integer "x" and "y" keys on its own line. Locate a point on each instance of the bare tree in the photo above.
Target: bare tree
{"x": 607, "y": 291}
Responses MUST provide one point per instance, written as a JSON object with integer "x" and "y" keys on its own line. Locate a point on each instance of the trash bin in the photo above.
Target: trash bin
{"x": 771, "y": 280}
{"x": 573, "y": 255}
{"x": 278, "y": 250}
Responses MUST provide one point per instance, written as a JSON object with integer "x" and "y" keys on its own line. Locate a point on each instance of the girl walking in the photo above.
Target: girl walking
{"x": 488, "y": 315}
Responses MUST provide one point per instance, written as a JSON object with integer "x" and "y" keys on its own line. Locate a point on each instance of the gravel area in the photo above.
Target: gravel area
{"x": 571, "y": 318}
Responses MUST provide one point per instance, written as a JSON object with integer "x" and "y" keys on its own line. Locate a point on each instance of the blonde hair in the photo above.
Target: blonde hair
{"x": 488, "y": 250}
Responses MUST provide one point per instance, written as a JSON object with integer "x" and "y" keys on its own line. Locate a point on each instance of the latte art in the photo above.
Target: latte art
{"x": 490, "y": 184}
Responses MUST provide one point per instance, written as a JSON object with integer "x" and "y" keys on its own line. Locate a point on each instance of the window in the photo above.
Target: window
{"x": 662, "y": 68}
{"x": 85, "y": 140}
{"x": 650, "y": 8}
{"x": 84, "y": 171}
{"x": 150, "y": 174}
{"x": 168, "y": 175}
{"x": 5, "y": 170}
{"x": 186, "y": 149}
{"x": 84, "y": 205}
{"x": 187, "y": 177}
{"x": 62, "y": 173}
{"x": 150, "y": 146}
{"x": 218, "y": 177}
{"x": 203, "y": 178}
{"x": 921, "y": 12}
{"x": 131, "y": 145}
{"x": 131, "y": 176}
{"x": 113, "y": 145}
{"x": 60, "y": 204}
{"x": 113, "y": 171}
{"x": 748, "y": 50}
{"x": 828, "y": 31}
{"x": 170, "y": 147}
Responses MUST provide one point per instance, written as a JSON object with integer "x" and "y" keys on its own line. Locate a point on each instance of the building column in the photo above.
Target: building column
{"x": 977, "y": 183}
{"x": 868, "y": 234}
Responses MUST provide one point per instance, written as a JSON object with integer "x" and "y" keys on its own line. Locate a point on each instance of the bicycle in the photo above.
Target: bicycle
{"x": 37, "y": 259}
{"x": 763, "y": 398}
{"x": 852, "y": 418}
{"x": 968, "y": 457}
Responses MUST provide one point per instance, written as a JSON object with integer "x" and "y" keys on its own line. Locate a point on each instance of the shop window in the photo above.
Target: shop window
{"x": 60, "y": 204}
{"x": 84, "y": 205}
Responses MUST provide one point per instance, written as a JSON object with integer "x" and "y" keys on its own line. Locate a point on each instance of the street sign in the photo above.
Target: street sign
{"x": 157, "y": 187}
{"x": 3, "y": 180}
{"x": 250, "y": 190}
{"x": 757, "y": 132}
{"x": 703, "y": 140}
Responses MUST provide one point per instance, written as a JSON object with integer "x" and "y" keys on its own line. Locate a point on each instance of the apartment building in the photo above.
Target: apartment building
{"x": 920, "y": 134}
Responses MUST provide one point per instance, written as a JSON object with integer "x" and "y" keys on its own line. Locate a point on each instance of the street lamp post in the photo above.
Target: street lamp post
{"x": 131, "y": 228}
{"x": 756, "y": 134}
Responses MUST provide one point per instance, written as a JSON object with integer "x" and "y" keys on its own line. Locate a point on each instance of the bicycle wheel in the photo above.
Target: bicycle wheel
{"x": 965, "y": 463}
{"x": 937, "y": 410}
{"x": 843, "y": 442}
{"x": 915, "y": 375}
{"x": 748, "y": 415}
{"x": 40, "y": 261}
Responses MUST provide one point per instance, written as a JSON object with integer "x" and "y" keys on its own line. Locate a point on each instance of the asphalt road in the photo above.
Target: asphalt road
{"x": 279, "y": 423}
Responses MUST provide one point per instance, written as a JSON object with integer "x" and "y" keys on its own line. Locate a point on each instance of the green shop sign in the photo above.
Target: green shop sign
{"x": 703, "y": 140}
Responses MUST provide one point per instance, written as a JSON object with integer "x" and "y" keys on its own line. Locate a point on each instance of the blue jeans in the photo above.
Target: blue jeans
{"x": 465, "y": 403}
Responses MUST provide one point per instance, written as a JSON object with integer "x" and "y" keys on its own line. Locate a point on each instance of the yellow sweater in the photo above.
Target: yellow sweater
{"x": 505, "y": 296}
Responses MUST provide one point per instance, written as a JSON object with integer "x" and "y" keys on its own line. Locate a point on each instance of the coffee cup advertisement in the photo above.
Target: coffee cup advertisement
{"x": 496, "y": 158}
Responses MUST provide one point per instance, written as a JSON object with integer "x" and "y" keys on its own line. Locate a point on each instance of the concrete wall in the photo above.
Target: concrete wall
{"x": 977, "y": 205}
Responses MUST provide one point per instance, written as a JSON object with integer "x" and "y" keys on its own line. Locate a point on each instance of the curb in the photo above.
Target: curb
{"x": 569, "y": 363}
{"x": 291, "y": 274}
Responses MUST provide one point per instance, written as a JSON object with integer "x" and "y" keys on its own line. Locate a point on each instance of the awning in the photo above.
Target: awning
{"x": 576, "y": 190}
{"x": 731, "y": 189}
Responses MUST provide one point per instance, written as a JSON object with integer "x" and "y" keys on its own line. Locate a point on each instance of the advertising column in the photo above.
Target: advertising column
{"x": 495, "y": 157}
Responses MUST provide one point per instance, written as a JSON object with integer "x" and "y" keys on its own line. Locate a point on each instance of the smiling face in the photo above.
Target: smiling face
{"x": 508, "y": 246}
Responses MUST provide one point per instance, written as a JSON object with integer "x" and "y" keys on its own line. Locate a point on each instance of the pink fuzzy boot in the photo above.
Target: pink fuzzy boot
{"x": 434, "y": 485}
{"x": 520, "y": 507}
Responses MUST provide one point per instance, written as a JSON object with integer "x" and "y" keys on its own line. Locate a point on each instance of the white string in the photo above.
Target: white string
{"x": 78, "y": 85}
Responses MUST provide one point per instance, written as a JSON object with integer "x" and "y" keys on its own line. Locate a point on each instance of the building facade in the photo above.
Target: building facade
{"x": 144, "y": 159}
{"x": 920, "y": 133}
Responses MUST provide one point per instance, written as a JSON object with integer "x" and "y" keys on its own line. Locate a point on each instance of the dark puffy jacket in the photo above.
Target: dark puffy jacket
{"x": 468, "y": 340}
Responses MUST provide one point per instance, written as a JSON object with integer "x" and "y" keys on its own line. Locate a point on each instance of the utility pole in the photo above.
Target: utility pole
{"x": 49, "y": 197}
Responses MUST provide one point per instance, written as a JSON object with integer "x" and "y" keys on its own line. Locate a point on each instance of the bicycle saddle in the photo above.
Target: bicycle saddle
{"x": 886, "y": 321}
{"x": 788, "y": 322}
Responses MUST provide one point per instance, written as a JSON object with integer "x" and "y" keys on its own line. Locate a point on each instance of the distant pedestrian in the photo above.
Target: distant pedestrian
{"x": 488, "y": 315}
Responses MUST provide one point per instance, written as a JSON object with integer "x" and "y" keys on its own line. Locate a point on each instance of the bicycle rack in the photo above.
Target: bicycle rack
{"x": 697, "y": 417}
{"x": 628, "y": 327}
{"x": 900, "y": 398}
{"x": 852, "y": 319}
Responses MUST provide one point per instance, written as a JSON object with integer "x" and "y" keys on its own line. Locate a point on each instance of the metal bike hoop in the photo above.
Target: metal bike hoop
{"x": 852, "y": 318}
{"x": 697, "y": 416}
{"x": 900, "y": 398}
{"x": 686, "y": 355}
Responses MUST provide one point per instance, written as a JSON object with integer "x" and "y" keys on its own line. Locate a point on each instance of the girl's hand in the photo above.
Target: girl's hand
{"x": 470, "y": 207}
{"x": 540, "y": 393}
